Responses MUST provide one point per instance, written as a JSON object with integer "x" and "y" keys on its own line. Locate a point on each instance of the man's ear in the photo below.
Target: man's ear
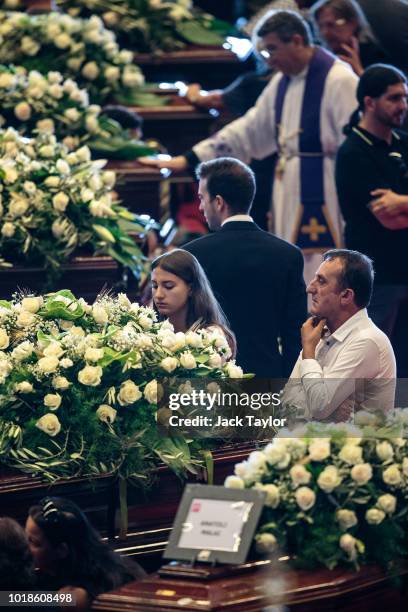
{"x": 297, "y": 40}
{"x": 220, "y": 203}
{"x": 369, "y": 103}
{"x": 347, "y": 296}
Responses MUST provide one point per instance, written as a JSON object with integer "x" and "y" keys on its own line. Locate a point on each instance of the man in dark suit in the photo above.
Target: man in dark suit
{"x": 257, "y": 277}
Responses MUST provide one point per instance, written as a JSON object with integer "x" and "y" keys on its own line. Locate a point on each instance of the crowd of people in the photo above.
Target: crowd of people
{"x": 329, "y": 115}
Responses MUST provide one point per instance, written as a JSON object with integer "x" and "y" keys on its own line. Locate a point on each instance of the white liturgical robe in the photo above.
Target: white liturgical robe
{"x": 255, "y": 136}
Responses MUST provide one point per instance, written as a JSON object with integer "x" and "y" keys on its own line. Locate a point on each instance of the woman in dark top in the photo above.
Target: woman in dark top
{"x": 70, "y": 555}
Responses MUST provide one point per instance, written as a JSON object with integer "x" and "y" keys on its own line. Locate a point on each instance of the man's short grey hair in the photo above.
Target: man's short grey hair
{"x": 285, "y": 24}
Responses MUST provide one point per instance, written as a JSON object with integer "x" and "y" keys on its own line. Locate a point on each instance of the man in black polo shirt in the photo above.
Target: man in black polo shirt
{"x": 372, "y": 185}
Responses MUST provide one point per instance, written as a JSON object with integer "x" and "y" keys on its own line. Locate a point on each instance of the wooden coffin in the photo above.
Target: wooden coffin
{"x": 142, "y": 189}
{"x": 178, "y": 125}
{"x": 213, "y": 67}
{"x": 85, "y": 276}
{"x": 252, "y": 587}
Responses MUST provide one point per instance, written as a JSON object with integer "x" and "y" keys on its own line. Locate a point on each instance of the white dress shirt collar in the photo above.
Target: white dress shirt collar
{"x": 348, "y": 326}
{"x": 237, "y": 218}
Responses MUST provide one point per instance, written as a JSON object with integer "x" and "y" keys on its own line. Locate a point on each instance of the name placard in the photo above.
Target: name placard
{"x": 214, "y": 524}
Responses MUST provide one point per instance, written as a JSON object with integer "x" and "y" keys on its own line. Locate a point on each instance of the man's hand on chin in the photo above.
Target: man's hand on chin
{"x": 311, "y": 333}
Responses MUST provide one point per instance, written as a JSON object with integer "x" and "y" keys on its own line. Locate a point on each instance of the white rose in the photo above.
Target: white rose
{"x": 110, "y": 18}
{"x": 74, "y": 63}
{"x": 53, "y": 349}
{"x": 392, "y": 475}
{"x": 92, "y": 124}
{"x": 272, "y": 494}
{"x": 144, "y": 342}
{"x": 126, "y": 56}
{"x": 6, "y": 80}
{"x": 351, "y": 454}
{"x": 50, "y": 424}
{"x": 106, "y": 413}
{"x": 29, "y": 187}
{"x": 348, "y": 544}
{"x": 346, "y": 518}
{"x": 234, "y": 371}
{"x": 257, "y": 460}
{"x": 153, "y": 392}
{"x": 90, "y": 375}
{"x": 405, "y": 466}
{"x": 387, "y": 502}
{"x": 32, "y": 304}
{"x": 90, "y": 71}
{"x": 193, "y": 339}
{"x": 46, "y": 151}
{"x": 99, "y": 314}
{"x": 131, "y": 77}
{"x": 112, "y": 74}
{"x": 319, "y": 450}
{"x": 22, "y": 111}
{"x": 52, "y": 401}
{"x": 109, "y": 178}
{"x": 234, "y": 482}
{"x": 215, "y": 361}
{"x": 46, "y": 126}
{"x": 93, "y": 354}
{"x": 48, "y": 365}
{"x": 8, "y": 229}
{"x": 188, "y": 361}
{"x": 374, "y": 516}
{"x": 72, "y": 114}
{"x": 18, "y": 206}
{"x": 83, "y": 154}
{"x": 62, "y": 41}
{"x": 305, "y": 498}
{"x": 169, "y": 364}
{"x": 129, "y": 393}
{"x": 361, "y": 473}
{"x": 299, "y": 475}
{"x": 62, "y": 166}
{"x": 60, "y": 383}
{"x": 25, "y": 318}
{"x": 266, "y": 543}
{"x": 60, "y": 201}
{"x": 384, "y": 451}
{"x": 329, "y": 479}
{"x": 66, "y": 363}
{"x": 22, "y": 351}
{"x": 56, "y": 91}
{"x": 4, "y": 339}
{"x": 52, "y": 181}
{"x": 24, "y": 387}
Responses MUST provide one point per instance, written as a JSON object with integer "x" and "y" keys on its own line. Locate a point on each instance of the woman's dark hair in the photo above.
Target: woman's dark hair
{"x": 89, "y": 562}
{"x": 16, "y": 562}
{"x": 374, "y": 82}
{"x": 202, "y": 305}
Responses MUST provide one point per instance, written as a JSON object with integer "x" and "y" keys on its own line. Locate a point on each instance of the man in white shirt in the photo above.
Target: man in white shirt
{"x": 347, "y": 362}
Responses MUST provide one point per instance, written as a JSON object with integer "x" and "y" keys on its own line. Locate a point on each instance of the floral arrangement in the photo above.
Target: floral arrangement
{"x": 54, "y": 202}
{"x": 333, "y": 495}
{"x": 31, "y": 101}
{"x": 80, "y": 384}
{"x": 78, "y": 48}
{"x": 154, "y": 25}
